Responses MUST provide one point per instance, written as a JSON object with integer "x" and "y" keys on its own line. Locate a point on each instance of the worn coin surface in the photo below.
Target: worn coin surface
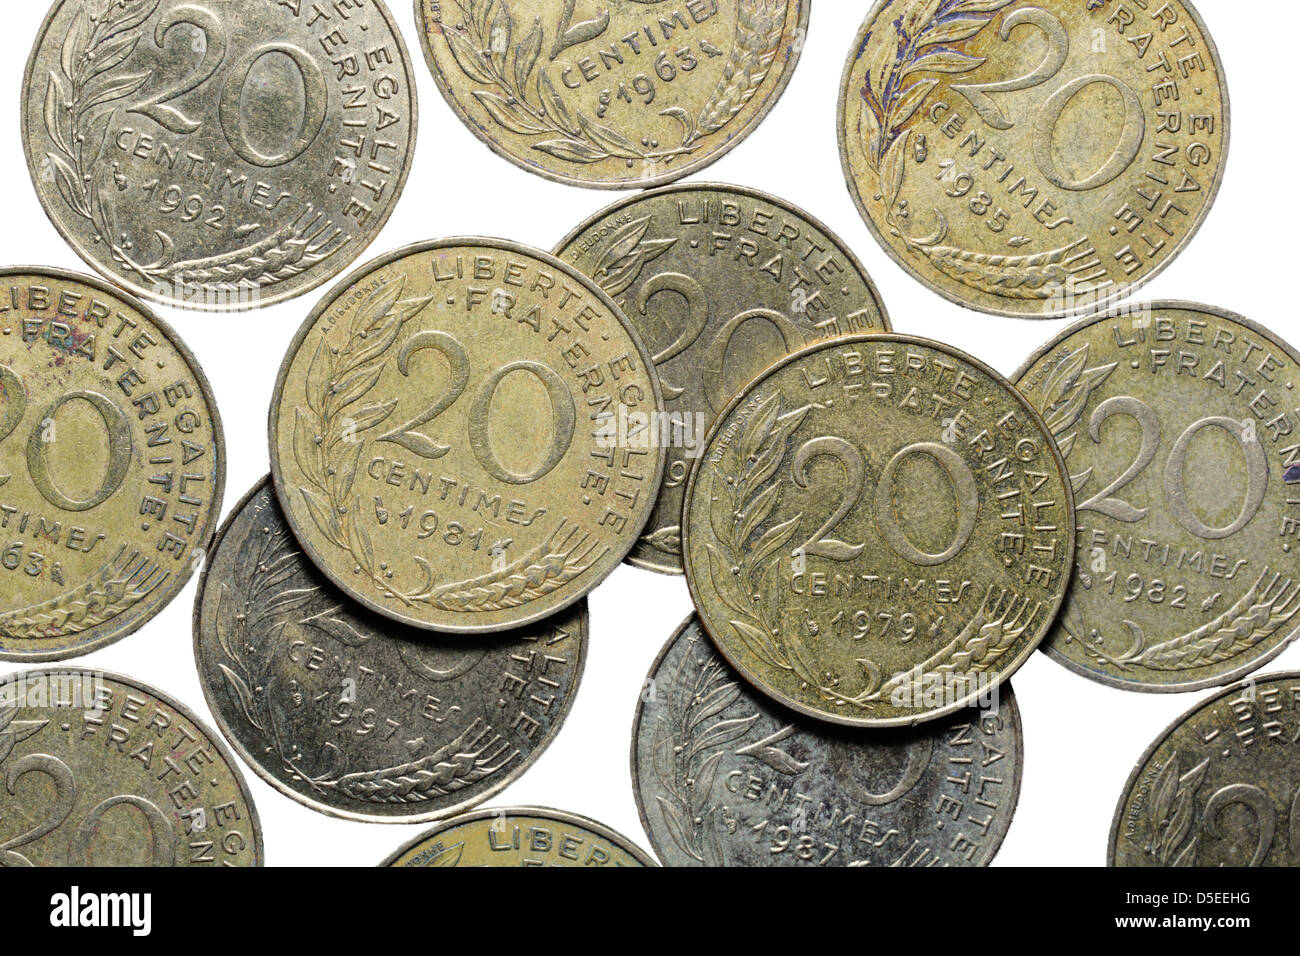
{"x": 1033, "y": 159}
{"x": 1177, "y": 422}
{"x": 879, "y": 531}
{"x": 101, "y": 770}
{"x": 352, "y": 714}
{"x": 1221, "y": 785}
{"x": 450, "y": 435}
{"x": 219, "y": 154}
{"x": 112, "y": 464}
{"x": 724, "y": 777}
{"x": 720, "y": 281}
{"x": 614, "y": 94}
{"x": 520, "y": 836}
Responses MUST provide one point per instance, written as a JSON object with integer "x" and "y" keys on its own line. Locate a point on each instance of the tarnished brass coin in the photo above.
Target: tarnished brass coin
{"x": 352, "y": 714}
{"x": 520, "y": 836}
{"x": 1178, "y": 427}
{"x": 112, "y": 464}
{"x": 1221, "y": 785}
{"x": 447, "y": 435}
{"x": 878, "y": 532}
{"x": 721, "y": 282}
{"x": 612, "y": 94}
{"x": 219, "y": 154}
{"x": 101, "y": 770}
{"x": 724, "y": 777}
{"x": 1033, "y": 159}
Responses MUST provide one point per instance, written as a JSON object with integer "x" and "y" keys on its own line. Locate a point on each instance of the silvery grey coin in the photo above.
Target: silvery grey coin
{"x": 357, "y": 716}
{"x": 725, "y": 777}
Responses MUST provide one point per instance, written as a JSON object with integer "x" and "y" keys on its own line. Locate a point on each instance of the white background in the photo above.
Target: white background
{"x": 1081, "y": 739}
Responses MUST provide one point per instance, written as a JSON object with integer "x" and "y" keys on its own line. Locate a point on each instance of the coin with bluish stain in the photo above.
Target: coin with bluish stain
{"x": 218, "y": 155}
{"x": 520, "y": 836}
{"x": 1220, "y": 787}
{"x": 879, "y": 531}
{"x": 112, "y": 464}
{"x": 617, "y": 94}
{"x": 1033, "y": 159}
{"x": 1177, "y": 422}
{"x": 356, "y": 716}
{"x": 459, "y": 435}
{"x": 720, "y": 281}
{"x": 724, "y": 777}
{"x": 101, "y": 770}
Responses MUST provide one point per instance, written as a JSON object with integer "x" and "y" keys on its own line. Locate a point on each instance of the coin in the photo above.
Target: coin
{"x": 218, "y": 155}
{"x": 724, "y": 777}
{"x": 617, "y": 94}
{"x": 458, "y": 435}
{"x": 739, "y": 280}
{"x": 1176, "y": 424}
{"x": 112, "y": 464}
{"x": 1033, "y": 159}
{"x": 102, "y": 770}
{"x": 878, "y": 531}
{"x": 353, "y": 715}
{"x": 1219, "y": 787}
{"x": 520, "y": 836}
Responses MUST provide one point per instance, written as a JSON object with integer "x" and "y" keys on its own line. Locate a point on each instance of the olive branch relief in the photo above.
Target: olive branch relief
{"x": 522, "y": 98}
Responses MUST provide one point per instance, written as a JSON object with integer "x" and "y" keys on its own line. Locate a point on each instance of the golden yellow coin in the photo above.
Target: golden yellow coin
{"x": 461, "y": 435}
{"x": 112, "y": 464}
{"x": 1033, "y": 159}
{"x": 879, "y": 531}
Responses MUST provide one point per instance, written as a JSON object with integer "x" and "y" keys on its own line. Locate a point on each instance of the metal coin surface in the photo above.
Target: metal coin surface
{"x": 1033, "y": 159}
{"x": 720, "y": 281}
{"x": 101, "y": 770}
{"x": 878, "y": 532}
{"x": 520, "y": 836}
{"x": 219, "y": 154}
{"x": 353, "y": 715}
{"x": 448, "y": 440}
{"x": 1220, "y": 786}
{"x": 617, "y": 94}
{"x": 1177, "y": 425}
{"x": 112, "y": 464}
{"x": 724, "y": 777}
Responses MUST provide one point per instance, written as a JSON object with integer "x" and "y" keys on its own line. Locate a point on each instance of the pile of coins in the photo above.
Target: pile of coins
{"x": 468, "y": 435}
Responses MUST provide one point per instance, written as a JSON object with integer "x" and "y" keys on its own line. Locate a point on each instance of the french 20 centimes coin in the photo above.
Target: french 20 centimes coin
{"x": 112, "y": 464}
{"x": 615, "y": 94}
{"x": 219, "y": 154}
{"x": 1221, "y": 785}
{"x": 460, "y": 435}
{"x": 352, "y": 714}
{"x": 1033, "y": 159}
{"x": 101, "y": 770}
{"x": 1178, "y": 427}
{"x": 520, "y": 836}
{"x": 725, "y": 777}
{"x": 721, "y": 282}
{"x": 878, "y": 531}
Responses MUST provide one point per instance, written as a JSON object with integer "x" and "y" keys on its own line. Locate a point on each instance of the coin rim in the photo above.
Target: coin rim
{"x": 245, "y": 753}
{"x": 1031, "y": 415}
{"x": 727, "y": 145}
{"x": 182, "y": 577}
{"x": 256, "y": 821}
{"x": 756, "y": 194}
{"x": 1136, "y": 772}
{"x": 336, "y": 292}
{"x": 1205, "y": 683}
{"x": 1124, "y": 292}
{"x": 544, "y": 813}
{"x": 263, "y": 301}
{"x": 1007, "y": 694}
